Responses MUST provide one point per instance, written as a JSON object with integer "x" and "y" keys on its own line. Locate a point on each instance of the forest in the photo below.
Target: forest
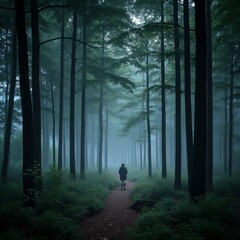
{"x": 88, "y": 85}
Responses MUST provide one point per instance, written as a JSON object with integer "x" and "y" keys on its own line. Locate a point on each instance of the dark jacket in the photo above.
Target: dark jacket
{"x": 123, "y": 173}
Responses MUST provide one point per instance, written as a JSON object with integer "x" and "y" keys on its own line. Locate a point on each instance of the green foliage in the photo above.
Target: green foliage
{"x": 52, "y": 225}
{"x": 176, "y": 217}
{"x": 155, "y": 189}
{"x": 11, "y": 191}
{"x": 60, "y": 206}
{"x": 227, "y": 186}
{"x": 212, "y": 218}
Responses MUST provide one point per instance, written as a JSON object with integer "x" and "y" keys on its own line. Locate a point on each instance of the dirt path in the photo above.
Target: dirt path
{"x": 113, "y": 222}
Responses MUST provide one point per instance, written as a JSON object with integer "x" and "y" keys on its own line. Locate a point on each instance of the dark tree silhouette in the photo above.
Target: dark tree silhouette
{"x": 36, "y": 90}
{"x": 187, "y": 73}
{"x": 177, "y": 180}
{"x": 148, "y": 114}
{"x": 100, "y": 143}
{"x": 27, "y": 117}
{"x": 83, "y": 115}
{"x": 61, "y": 94}
{"x": 198, "y": 185}
{"x": 72, "y": 97}
{"x": 164, "y": 158}
{"x": 7, "y": 136}
{"x": 209, "y": 104}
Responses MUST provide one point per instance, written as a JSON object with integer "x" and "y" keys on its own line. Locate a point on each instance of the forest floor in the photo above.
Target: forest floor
{"x": 116, "y": 218}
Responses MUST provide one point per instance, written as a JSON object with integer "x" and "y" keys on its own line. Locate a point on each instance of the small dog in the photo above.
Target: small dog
{"x": 123, "y": 186}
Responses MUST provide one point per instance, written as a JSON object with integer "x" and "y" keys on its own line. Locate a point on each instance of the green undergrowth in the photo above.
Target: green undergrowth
{"x": 61, "y": 205}
{"x": 155, "y": 188}
{"x": 175, "y": 217}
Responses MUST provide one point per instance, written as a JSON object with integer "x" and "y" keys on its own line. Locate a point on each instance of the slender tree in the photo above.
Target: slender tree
{"x": 83, "y": 115}
{"x": 198, "y": 185}
{"x": 53, "y": 122}
{"x": 27, "y": 114}
{"x": 148, "y": 114}
{"x": 100, "y": 144}
{"x": 36, "y": 89}
{"x": 106, "y": 138}
{"x": 177, "y": 181}
{"x": 7, "y": 136}
{"x": 72, "y": 97}
{"x": 164, "y": 159}
{"x": 61, "y": 94}
{"x": 209, "y": 104}
{"x": 188, "y": 105}
{"x": 230, "y": 140}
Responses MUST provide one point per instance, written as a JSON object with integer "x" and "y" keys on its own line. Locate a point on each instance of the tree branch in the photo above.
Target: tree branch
{"x": 69, "y": 38}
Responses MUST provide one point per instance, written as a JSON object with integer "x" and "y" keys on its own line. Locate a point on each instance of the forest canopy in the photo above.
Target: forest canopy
{"x": 87, "y": 85}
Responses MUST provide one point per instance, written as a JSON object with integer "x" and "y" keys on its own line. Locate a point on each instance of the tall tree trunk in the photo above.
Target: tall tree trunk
{"x": 83, "y": 116}
{"x": 106, "y": 140}
{"x": 27, "y": 114}
{"x": 177, "y": 180}
{"x": 6, "y": 70}
{"x": 61, "y": 96}
{"x": 164, "y": 160}
{"x": 100, "y": 144}
{"x": 209, "y": 148}
{"x": 230, "y": 143}
{"x": 157, "y": 148}
{"x": 187, "y": 72}
{"x": 148, "y": 116}
{"x": 36, "y": 90}
{"x": 198, "y": 185}
{"x": 92, "y": 143}
{"x": 8, "y": 128}
{"x": 53, "y": 123}
{"x": 225, "y": 127}
{"x": 46, "y": 134}
{"x": 72, "y": 98}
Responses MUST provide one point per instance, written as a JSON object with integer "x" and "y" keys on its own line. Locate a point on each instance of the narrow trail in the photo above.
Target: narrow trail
{"x": 116, "y": 218}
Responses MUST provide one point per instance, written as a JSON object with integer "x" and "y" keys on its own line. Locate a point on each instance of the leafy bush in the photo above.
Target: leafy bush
{"x": 227, "y": 186}
{"x": 62, "y": 203}
{"x": 211, "y": 219}
{"x": 176, "y": 218}
{"x": 155, "y": 189}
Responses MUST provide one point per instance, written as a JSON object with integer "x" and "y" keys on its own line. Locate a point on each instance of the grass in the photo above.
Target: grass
{"x": 217, "y": 217}
{"x": 61, "y": 205}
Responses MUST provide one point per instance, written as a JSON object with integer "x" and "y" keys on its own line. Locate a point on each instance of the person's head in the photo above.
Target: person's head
{"x": 122, "y": 165}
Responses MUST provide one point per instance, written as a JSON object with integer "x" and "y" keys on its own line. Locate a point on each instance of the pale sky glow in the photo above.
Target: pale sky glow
{"x": 136, "y": 20}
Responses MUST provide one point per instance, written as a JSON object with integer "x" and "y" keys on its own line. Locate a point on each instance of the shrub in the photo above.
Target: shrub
{"x": 212, "y": 218}
{"x": 155, "y": 189}
{"x": 62, "y": 203}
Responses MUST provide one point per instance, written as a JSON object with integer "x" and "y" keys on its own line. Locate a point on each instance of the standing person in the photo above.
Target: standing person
{"x": 123, "y": 175}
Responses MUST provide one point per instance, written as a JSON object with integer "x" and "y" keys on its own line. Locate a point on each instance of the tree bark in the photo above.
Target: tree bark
{"x": 83, "y": 116}
{"x": 36, "y": 91}
{"x": 27, "y": 114}
{"x": 8, "y": 128}
{"x": 209, "y": 148}
{"x": 148, "y": 116}
{"x": 100, "y": 143}
{"x": 187, "y": 72}
{"x": 198, "y": 185}
{"x": 61, "y": 96}
{"x": 53, "y": 123}
{"x": 106, "y": 140}
{"x": 230, "y": 141}
{"x": 177, "y": 180}
{"x": 164, "y": 159}
{"x": 72, "y": 98}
